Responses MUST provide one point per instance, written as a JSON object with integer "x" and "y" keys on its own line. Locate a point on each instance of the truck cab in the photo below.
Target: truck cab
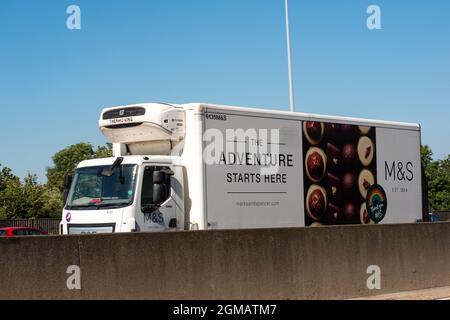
{"x": 141, "y": 188}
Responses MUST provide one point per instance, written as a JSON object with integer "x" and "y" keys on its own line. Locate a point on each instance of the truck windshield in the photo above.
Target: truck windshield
{"x": 92, "y": 190}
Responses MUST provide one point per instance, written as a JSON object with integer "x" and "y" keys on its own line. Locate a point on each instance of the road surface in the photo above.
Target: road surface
{"x": 428, "y": 294}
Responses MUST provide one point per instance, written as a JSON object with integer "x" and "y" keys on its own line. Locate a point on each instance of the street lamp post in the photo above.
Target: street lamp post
{"x": 288, "y": 36}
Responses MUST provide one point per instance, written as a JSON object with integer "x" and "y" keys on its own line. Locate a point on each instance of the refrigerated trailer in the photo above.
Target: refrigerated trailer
{"x": 201, "y": 166}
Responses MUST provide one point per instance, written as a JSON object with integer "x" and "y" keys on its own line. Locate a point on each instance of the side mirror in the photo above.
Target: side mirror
{"x": 161, "y": 176}
{"x": 159, "y": 193}
{"x": 161, "y": 185}
{"x": 68, "y": 178}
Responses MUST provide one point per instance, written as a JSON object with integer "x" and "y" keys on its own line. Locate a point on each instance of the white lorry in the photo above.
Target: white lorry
{"x": 200, "y": 166}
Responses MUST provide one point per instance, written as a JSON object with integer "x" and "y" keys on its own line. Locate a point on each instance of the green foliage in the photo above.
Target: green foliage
{"x": 66, "y": 160}
{"x": 438, "y": 175}
{"x": 29, "y": 199}
{"x": 10, "y": 196}
{"x": 104, "y": 151}
{"x": 426, "y": 155}
{"x": 5, "y": 175}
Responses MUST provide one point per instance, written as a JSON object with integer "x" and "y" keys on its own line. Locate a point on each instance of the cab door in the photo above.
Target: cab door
{"x": 164, "y": 215}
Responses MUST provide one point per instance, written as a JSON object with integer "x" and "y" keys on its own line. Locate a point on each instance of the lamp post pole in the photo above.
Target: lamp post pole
{"x": 288, "y": 36}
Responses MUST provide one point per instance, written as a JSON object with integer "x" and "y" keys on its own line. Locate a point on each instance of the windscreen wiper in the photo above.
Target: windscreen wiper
{"x": 82, "y": 207}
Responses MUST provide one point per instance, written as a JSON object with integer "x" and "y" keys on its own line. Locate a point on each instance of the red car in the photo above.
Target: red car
{"x": 21, "y": 231}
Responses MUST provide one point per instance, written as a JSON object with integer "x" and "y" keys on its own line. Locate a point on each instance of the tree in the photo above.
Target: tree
{"x": 5, "y": 174}
{"x": 439, "y": 185}
{"x": 53, "y": 203}
{"x": 438, "y": 175}
{"x": 29, "y": 199}
{"x": 426, "y": 155}
{"x": 8, "y": 181}
{"x": 10, "y": 199}
{"x": 105, "y": 151}
{"x": 66, "y": 160}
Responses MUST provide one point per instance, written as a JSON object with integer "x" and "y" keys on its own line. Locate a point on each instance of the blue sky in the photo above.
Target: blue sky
{"x": 54, "y": 82}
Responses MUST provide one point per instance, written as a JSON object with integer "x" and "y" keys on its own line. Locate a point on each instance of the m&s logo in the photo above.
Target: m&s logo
{"x": 398, "y": 171}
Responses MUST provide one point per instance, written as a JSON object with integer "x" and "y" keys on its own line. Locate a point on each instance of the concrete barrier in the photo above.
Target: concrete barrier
{"x": 305, "y": 263}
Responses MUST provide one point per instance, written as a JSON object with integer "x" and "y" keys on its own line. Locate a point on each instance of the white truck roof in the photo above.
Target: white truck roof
{"x": 159, "y": 128}
{"x": 129, "y": 160}
{"x": 158, "y": 112}
{"x": 303, "y": 116}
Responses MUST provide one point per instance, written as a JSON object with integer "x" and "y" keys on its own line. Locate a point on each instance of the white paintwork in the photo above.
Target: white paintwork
{"x": 158, "y": 131}
{"x": 261, "y": 202}
{"x": 276, "y": 114}
{"x": 399, "y": 172}
{"x": 200, "y": 199}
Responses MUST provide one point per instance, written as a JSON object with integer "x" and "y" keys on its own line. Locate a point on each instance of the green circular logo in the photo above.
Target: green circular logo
{"x": 376, "y": 203}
